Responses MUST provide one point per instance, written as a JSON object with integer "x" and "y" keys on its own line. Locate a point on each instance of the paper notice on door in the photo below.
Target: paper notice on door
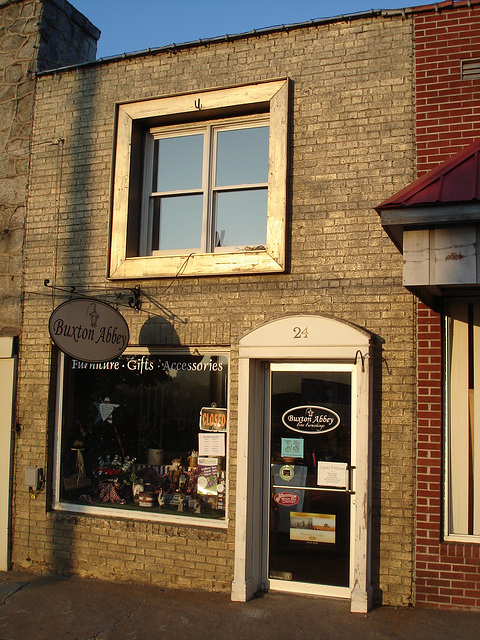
{"x": 211, "y": 444}
{"x": 312, "y": 527}
{"x": 292, "y": 447}
{"x": 332, "y": 474}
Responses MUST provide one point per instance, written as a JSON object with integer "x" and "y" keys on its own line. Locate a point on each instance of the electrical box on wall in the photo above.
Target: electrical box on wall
{"x": 33, "y": 477}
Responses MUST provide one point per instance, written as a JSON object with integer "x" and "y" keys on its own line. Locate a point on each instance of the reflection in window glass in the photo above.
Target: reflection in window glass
{"x": 463, "y": 380}
{"x": 179, "y": 163}
{"x": 227, "y": 211}
{"x": 177, "y": 223}
{"x": 241, "y": 218}
{"x": 242, "y": 157}
{"x": 131, "y": 431}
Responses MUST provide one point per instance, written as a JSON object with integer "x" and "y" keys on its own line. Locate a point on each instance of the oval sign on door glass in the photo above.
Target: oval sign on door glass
{"x": 286, "y": 499}
{"x": 89, "y": 330}
{"x": 311, "y": 419}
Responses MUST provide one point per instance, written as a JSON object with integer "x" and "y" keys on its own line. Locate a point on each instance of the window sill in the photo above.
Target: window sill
{"x": 147, "y": 515}
{"x": 197, "y": 264}
{"x": 461, "y": 539}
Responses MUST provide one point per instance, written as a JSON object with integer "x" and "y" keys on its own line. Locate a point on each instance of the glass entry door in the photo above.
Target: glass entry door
{"x": 310, "y": 475}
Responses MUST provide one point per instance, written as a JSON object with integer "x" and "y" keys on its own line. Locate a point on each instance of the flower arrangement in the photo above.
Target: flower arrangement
{"x": 116, "y": 469}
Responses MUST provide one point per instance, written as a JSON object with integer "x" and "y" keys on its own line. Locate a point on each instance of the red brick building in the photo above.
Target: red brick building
{"x": 438, "y": 216}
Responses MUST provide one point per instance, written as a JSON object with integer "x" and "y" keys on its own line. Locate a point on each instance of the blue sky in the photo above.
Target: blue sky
{"x": 134, "y": 25}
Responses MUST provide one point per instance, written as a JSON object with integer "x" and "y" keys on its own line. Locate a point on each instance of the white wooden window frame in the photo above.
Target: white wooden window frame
{"x": 129, "y": 514}
{"x": 271, "y": 97}
{"x": 460, "y": 448}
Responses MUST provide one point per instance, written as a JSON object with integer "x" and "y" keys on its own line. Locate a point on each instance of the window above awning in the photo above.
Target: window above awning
{"x": 435, "y": 223}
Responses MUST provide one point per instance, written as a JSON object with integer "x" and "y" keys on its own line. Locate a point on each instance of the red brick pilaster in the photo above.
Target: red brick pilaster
{"x": 448, "y": 119}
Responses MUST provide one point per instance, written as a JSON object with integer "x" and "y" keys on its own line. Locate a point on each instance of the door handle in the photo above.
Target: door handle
{"x": 351, "y": 469}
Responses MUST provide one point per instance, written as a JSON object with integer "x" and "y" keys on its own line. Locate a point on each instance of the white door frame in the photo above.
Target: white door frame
{"x": 298, "y": 338}
{"x": 8, "y": 366}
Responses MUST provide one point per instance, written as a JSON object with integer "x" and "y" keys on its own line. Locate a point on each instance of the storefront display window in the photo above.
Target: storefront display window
{"x": 144, "y": 434}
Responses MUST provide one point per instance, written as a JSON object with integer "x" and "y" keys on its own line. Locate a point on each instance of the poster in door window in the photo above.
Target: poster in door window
{"x": 207, "y": 476}
{"x": 312, "y": 527}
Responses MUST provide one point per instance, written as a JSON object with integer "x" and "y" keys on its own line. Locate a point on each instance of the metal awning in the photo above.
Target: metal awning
{"x": 435, "y": 222}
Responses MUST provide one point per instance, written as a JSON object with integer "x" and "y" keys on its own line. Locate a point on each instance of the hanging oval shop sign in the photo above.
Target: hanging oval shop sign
{"x": 311, "y": 419}
{"x": 89, "y": 330}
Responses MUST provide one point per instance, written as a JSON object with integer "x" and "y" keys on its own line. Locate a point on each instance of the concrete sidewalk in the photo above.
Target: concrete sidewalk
{"x": 34, "y": 607}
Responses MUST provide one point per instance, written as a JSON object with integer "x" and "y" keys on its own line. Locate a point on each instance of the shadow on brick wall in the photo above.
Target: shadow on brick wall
{"x": 378, "y": 372}
{"x": 75, "y": 248}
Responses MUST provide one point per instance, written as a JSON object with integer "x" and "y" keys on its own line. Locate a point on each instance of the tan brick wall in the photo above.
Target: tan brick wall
{"x": 351, "y": 146}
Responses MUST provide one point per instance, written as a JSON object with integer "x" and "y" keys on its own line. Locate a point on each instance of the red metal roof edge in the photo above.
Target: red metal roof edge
{"x": 424, "y": 181}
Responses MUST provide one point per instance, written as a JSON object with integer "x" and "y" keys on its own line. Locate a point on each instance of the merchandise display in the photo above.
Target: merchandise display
{"x": 146, "y": 432}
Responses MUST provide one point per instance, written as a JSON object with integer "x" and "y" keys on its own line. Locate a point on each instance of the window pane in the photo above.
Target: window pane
{"x": 241, "y": 218}
{"x": 132, "y": 426}
{"x": 177, "y": 223}
{"x": 180, "y": 161}
{"x": 242, "y": 157}
{"x": 464, "y": 419}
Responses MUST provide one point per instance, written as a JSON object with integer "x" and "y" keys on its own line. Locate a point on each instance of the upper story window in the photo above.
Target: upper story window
{"x": 200, "y": 184}
{"x": 206, "y": 188}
